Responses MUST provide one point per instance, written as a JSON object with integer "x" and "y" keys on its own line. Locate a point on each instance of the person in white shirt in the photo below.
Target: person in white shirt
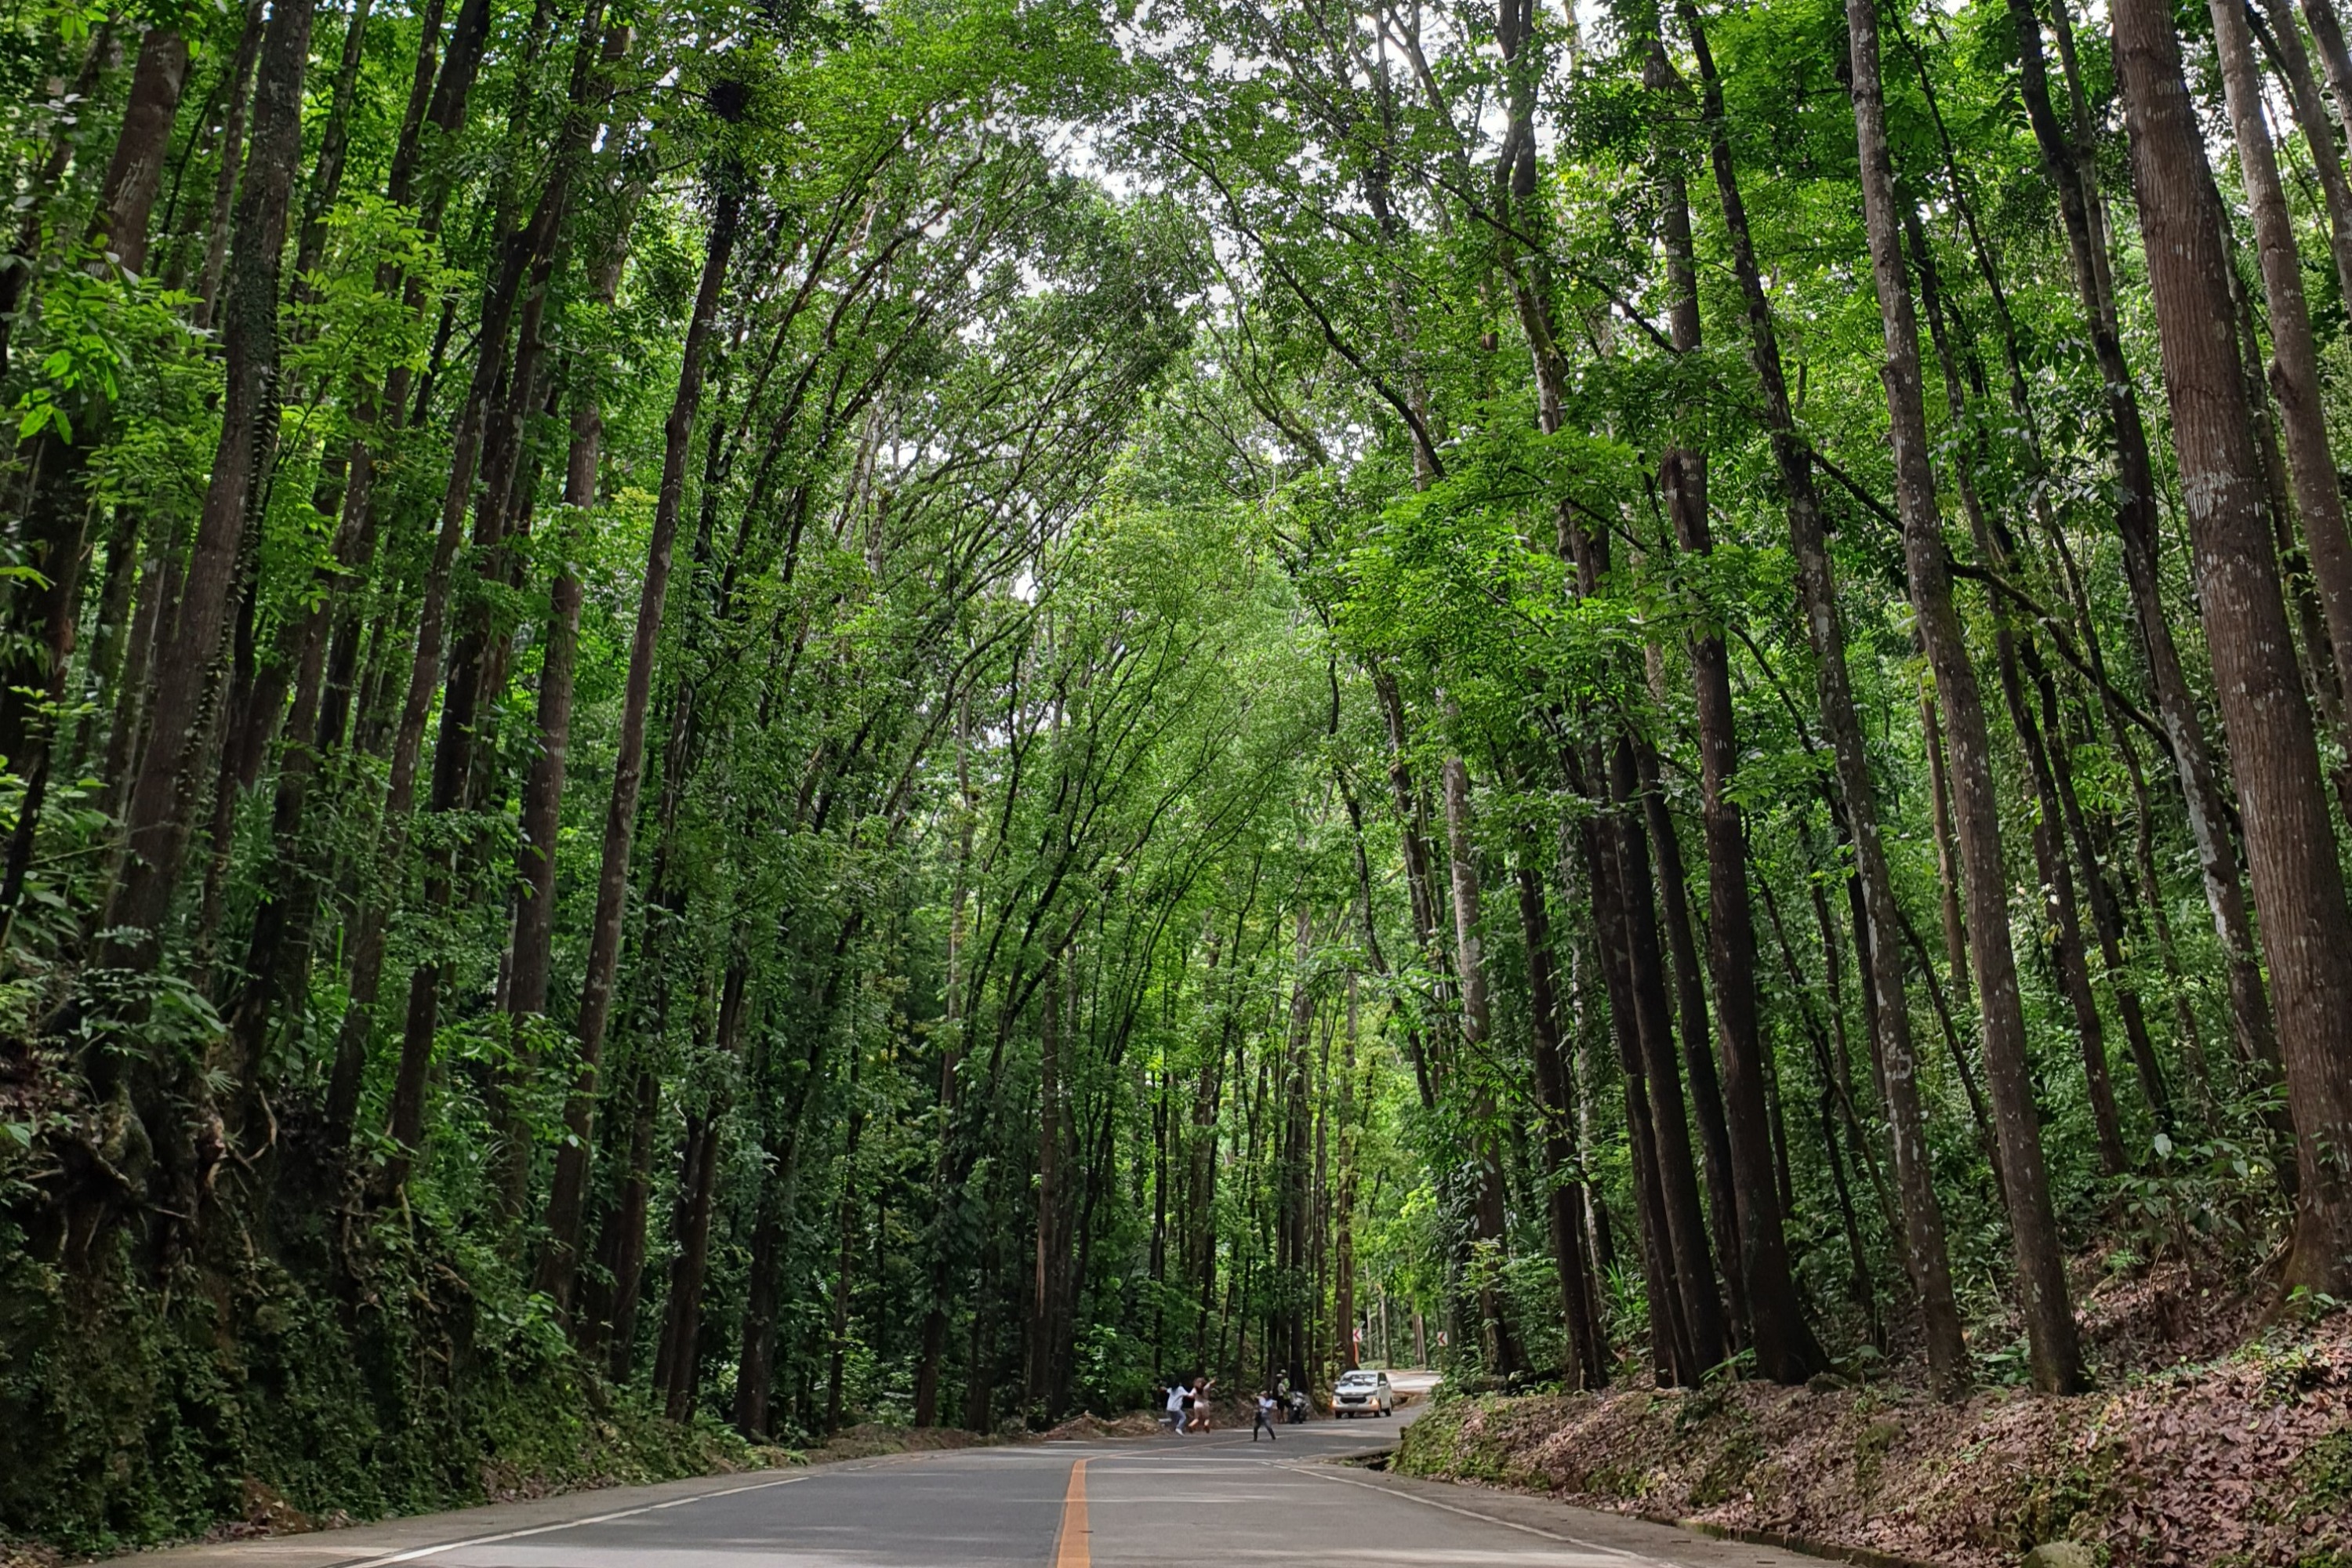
{"x": 1176, "y": 1405}
{"x": 1264, "y": 1417}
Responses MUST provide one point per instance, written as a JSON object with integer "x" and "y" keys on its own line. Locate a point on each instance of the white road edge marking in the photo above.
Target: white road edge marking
{"x": 1465, "y": 1512}
{"x": 415, "y": 1552}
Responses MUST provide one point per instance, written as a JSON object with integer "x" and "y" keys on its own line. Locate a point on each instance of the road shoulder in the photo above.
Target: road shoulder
{"x": 419, "y": 1539}
{"x": 1645, "y": 1540}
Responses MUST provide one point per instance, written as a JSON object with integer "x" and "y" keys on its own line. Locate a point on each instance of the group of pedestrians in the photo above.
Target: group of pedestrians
{"x": 1188, "y": 1405}
{"x": 1188, "y": 1409}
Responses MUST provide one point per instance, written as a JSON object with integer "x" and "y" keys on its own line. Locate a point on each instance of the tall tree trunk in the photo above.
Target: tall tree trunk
{"x": 1926, "y": 1259}
{"x": 2106, "y": 920}
{"x": 1292, "y": 1176}
{"x": 439, "y": 91}
{"x": 334, "y": 147}
{"x": 678, "y": 1364}
{"x": 558, "y": 1270}
{"x": 622, "y": 1242}
{"x": 37, "y": 641}
{"x": 1672, "y": 1359}
{"x": 844, "y": 1266}
{"x": 1785, "y": 1351}
{"x": 931, "y": 1348}
{"x": 1049, "y": 1240}
{"x": 2053, "y": 1346}
{"x": 2284, "y": 43}
{"x": 1343, "y": 1202}
{"x": 2290, "y": 842}
{"x": 1699, "y": 1057}
{"x": 2335, "y": 58}
{"x": 1858, "y": 1282}
{"x": 1499, "y": 1335}
{"x": 1694, "y": 1267}
{"x": 2068, "y": 954}
{"x": 1587, "y": 1350}
{"x": 542, "y": 810}
{"x": 136, "y": 172}
{"x": 1785, "y": 1348}
{"x": 1948, "y": 868}
{"x": 1699, "y": 1337}
{"x": 516, "y": 288}
{"x": 2295, "y": 353}
{"x": 2136, "y": 527}
{"x": 224, "y": 177}
{"x": 191, "y": 635}
{"x": 755, "y": 1364}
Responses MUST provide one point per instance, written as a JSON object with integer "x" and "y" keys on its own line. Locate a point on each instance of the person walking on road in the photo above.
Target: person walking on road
{"x": 1264, "y": 1422}
{"x": 1179, "y": 1396}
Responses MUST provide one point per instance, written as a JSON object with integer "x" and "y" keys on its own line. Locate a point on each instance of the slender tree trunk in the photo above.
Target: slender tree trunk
{"x": 1672, "y": 1359}
{"x": 2068, "y": 954}
{"x": 2136, "y": 527}
{"x": 2290, "y": 842}
{"x": 623, "y": 1240}
{"x": 1682, "y": 477}
{"x": 2284, "y": 43}
{"x": 558, "y": 1268}
{"x": 931, "y": 1349}
{"x": 1294, "y": 1201}
{"x": 1343, "y": 1202}
{"x": 1694, "y": 1267}
{"x": 542, "y": 814}
{"x": 334, "y": 146}
{"x": 1699, "y": 1058}
{"x": 232, "y": 149}
{"x": 678, "y": 1364}
{"x": 1925, "y": 1257}
{"x": 2295, "y": 353}
{"x": 191, "y": 635}
{"x": 1785, "y": 1348}
{"x": 348, "y": 707}
{"x": 515, "y": 287}
{"x": 542, "y": 811}
{"x": 2106, "y": 918}
{"x": 1049, "y": 1240}
{"x": 2055, "y": 1348}
{"x": 136, "y": 172}
{"x": 1948, "y": 868}
{"x": 845, "y": 1269}
{"x": 2336, "y": 60}
{"x": 1588, "y": 1351}
{"x": 783, "y": 1141}
{"x": 1825, "y": 1108}
{"x": 1785, "y": 1351}
{"x": 36, "y": 640}
{"x": 1500, "y": 1336}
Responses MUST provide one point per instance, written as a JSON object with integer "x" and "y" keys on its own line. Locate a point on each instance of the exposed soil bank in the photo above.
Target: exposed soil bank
{"x": 2243, "y": 1461}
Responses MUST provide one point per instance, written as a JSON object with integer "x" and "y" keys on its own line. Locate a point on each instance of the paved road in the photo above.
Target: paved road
{"x": 1215, "y": 1500}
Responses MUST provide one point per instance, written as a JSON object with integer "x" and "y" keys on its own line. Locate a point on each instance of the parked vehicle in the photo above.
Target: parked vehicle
{"x": 1364, "y": 1392}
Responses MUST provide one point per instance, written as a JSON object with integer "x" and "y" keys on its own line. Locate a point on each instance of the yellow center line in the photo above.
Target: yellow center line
{"x": 1072, "y": 1549}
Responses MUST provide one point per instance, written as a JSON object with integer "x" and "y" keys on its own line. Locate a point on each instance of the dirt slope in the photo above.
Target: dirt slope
{"x": 2244, "y": 1459}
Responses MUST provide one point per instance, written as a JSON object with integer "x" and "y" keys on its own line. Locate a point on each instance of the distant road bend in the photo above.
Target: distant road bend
{"x": 1137, "y": 1503}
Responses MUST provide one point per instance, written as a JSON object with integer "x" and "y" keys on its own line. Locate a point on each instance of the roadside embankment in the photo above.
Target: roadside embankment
{"x": 2240, "y": 1461}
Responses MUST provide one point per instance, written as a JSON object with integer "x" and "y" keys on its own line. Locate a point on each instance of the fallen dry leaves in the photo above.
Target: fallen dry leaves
{"x": 2243, "y": 1461}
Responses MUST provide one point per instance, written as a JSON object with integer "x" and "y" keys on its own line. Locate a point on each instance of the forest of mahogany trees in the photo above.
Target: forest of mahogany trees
{"x": 808, "y": 711}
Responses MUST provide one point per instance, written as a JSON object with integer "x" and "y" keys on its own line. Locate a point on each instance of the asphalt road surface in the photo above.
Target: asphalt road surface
{"x": 1207, "y": 1499}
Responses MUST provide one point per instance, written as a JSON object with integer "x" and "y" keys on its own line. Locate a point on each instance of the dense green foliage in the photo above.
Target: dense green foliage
{"x": 778, "y": 715}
